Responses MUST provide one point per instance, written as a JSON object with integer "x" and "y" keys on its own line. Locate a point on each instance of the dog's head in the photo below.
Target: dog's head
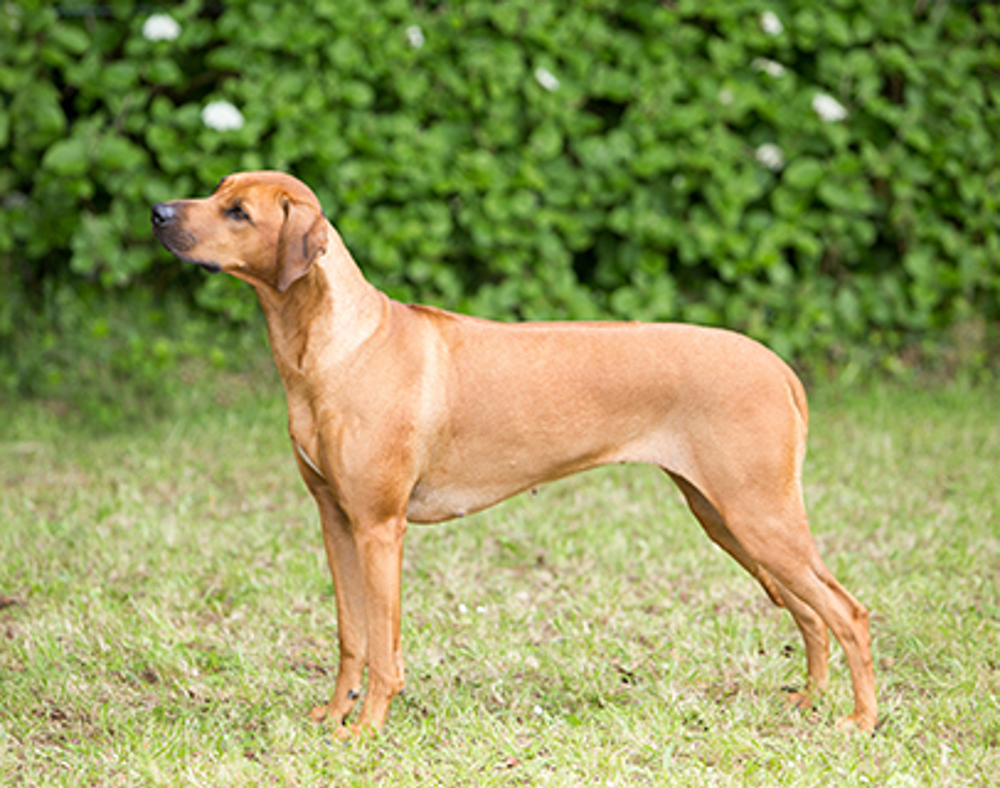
{"x": 264, "y": 227}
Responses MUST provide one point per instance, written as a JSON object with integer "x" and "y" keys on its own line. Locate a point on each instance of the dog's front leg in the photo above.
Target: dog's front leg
{"x": 348, "y": 584}
{"x": 380, "y": 551}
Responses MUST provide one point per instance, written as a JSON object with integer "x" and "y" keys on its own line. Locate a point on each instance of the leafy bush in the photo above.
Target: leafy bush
{"x": 530, "y": 158}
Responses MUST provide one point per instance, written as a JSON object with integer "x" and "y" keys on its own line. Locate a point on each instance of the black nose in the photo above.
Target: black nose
{"x": 163, "y": 213}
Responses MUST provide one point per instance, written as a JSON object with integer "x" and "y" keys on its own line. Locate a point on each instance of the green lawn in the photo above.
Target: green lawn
{"x": 168, "y": 618}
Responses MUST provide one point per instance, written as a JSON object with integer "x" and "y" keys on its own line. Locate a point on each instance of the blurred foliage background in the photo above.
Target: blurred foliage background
{"x": 824, "y": 177}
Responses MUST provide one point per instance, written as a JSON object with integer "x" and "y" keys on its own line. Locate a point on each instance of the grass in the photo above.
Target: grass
{"x": 167, "y": 616}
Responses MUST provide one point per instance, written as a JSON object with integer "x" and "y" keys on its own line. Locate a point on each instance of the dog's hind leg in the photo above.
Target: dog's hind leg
{"x": 810, "y": 625}
{"x": 772, "y": 532}
{"x": 783, "y": 545}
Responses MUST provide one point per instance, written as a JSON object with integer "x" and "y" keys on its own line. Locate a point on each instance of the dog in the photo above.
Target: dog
{"x": 400, "y": 412}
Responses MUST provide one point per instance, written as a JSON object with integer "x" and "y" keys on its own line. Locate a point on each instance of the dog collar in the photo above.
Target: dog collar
{"x": 307, "y": 461}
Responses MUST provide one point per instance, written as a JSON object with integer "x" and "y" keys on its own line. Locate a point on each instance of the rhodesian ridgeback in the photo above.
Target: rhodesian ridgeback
{"x": 399, "y": 413}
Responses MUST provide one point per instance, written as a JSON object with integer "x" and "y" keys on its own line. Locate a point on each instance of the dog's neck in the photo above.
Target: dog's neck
{"x": 329, "y": 312}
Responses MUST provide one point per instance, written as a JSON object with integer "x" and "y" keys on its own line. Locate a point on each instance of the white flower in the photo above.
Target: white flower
{"x": 16, "y": 200}
{"x": 539, "y": 711}
{"x": 772, "y": 67}
{"x": 726, "y": 97}
{"x": 828, "y": 108}
{"x": 160, "y": 27}
{"x": 770, "y": 24}
{"x": 463, "y": 608}
{"x": 221, "y": 116}
{"x": 771, "y": 156}
{"x": 546, "y": 79}
{"x": 415, "y": 36}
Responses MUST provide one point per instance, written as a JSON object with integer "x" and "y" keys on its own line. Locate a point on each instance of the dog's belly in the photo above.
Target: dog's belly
{"x": 457, "y": 490}
{"x": 436, "y": 504}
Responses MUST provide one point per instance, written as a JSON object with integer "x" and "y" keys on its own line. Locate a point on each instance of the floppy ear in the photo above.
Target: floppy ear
{"x": 302, "y": 240}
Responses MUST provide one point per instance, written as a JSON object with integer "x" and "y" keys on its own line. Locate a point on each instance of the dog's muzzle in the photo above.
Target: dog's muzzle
{"x": 167, "y": 227}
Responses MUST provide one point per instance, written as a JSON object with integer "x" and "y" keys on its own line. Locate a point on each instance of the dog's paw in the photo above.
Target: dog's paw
{"x": 797, "y": 699}
{"x": 319, "y": 713}
{"x": 355, "y": 732}
{"x": 856, "y": 723}
{"x": 334, "y": 712}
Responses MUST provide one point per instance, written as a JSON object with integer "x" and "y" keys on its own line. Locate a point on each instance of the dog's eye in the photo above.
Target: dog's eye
{"x": 237, "y": 212}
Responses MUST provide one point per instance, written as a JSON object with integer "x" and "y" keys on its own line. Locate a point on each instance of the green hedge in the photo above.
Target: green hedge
{"x": 525, "y": 158}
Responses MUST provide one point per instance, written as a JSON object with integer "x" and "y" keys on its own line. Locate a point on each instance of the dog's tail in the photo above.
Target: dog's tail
{"x": 800, "y": 409}
{"x": 800, "y": 406}
{"x": 799, "y": 399}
